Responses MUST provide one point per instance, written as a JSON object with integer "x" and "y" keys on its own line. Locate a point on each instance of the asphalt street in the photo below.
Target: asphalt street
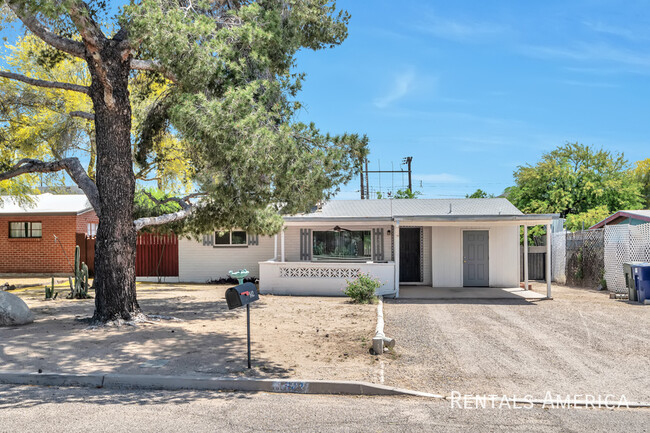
{"x": 43, "y": 409}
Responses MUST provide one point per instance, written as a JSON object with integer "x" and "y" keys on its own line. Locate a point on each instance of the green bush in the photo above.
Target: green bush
{"x": 362, "y": 289}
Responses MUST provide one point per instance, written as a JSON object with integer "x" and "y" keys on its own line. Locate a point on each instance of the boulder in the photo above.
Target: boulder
{"x": 13, "y": 310}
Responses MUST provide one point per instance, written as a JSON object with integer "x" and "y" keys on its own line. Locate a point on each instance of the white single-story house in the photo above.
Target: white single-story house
{"x": 431, "y": 243}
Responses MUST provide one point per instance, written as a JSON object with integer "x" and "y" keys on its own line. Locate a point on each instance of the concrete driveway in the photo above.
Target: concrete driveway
{"x": 581, "y": 342}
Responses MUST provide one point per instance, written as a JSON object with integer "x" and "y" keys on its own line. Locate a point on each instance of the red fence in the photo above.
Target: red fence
{"x": 156, "y": 255}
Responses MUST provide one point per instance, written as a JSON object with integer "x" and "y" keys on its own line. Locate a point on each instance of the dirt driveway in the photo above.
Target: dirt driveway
{"x": 298, "y": 337}
{"x": 581, "y": 342}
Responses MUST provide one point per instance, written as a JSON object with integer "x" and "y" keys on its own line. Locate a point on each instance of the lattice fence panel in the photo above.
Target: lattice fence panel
{"x": 585, "y": 258}
{"x": 624, "y": 243}
{"x": 558, "y": 253}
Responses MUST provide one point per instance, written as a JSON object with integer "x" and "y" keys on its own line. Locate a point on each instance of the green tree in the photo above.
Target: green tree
{"x": 577, "y": 222}
{"x": 642, "y": 174}
{"x": 228, "y": 86}
{"x": 479, "y": 193}
{"x": 574, "y": 179}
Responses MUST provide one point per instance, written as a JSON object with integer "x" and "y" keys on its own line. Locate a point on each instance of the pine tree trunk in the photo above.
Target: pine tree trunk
{"x": 114, "y": 283}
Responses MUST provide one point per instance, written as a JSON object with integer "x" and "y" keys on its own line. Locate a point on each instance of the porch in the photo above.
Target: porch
{"x": 460, "y": 293}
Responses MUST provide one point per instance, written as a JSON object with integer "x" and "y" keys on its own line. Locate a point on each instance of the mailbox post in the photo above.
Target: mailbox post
{"x": 238, "y": 296}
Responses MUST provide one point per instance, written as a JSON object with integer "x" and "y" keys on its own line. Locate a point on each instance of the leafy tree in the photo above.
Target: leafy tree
{"x": 574, "y": 179}
{"x": 224, "y": 78}
{"x": 642, "y": 174}
{"x": 586, "y": 219}
{"x": 407, "y": 193}
{"x": 479, "y": 193}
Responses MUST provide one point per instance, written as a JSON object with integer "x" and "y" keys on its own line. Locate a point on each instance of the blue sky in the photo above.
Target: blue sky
{"x": 472, "y": 89}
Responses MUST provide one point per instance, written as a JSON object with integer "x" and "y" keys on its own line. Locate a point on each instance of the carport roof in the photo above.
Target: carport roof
{"x": 491, "y": 209}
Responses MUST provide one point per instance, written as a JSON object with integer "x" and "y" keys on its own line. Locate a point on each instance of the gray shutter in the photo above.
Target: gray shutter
{"x": 378, "y": 245}
{"x": 305, "y": 245}
{"x": 208, "y": 240}
{"x": 253, "y": 239}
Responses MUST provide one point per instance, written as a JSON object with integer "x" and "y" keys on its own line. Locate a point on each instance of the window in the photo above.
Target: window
{"x": 25, "y": 230}
{"x": 230, "y": 238}
{"x": 342, "y": 245}
{"x": 91, "y": 229}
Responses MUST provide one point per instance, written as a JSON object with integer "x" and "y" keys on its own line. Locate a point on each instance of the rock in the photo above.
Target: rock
{"x": 13, "y": 310}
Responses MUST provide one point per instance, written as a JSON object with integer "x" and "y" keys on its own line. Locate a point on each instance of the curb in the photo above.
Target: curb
{"x": 99, "y": 380}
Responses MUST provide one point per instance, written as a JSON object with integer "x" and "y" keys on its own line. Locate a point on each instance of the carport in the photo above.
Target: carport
{"x": 424, "y": 292}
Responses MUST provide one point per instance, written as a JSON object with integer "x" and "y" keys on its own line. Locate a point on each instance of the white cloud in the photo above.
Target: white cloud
{"x": 458, "y": 30}
{"x": 402, "y": 86}
{"x": 440, "y": 178}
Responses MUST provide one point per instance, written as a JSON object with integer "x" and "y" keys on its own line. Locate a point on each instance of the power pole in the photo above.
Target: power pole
{"x": 408, "y": 161}
{"x": 363, "y": 188}
{"x": 367, "y": 183}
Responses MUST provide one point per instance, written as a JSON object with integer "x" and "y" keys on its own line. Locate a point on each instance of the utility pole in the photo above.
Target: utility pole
{"x": 367, "y": 183}
{"x": 364, "y": 174}
{"x": 408, "y": 161}
{"x": 363, "y": 188}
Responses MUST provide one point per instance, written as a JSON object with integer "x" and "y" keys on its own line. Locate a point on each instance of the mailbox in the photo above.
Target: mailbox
{"x": 241, "y": 295}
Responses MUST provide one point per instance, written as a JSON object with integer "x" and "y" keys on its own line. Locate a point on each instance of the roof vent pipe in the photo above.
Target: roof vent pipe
{"x": 449, "y": 207}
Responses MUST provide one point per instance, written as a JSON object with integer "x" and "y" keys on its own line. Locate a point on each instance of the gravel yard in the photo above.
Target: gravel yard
{"x": 581, "y": 342}
{"x": 298, "y": 337}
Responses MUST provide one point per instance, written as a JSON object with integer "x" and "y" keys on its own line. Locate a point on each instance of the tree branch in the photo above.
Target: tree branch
{"x": 152, "y": 65}
{"x": 46, "y": 35}
{"x": 184, "y": 202}
{"x": 83, "y": 115}
{"x": 44, "y": 83}
{"x": 163, "y": 219}
{"x": 71, "y": 165}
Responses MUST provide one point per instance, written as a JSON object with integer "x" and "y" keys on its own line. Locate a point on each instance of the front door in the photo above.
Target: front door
{"x": 409, "y": 254}
{"x": 475, "y": 258}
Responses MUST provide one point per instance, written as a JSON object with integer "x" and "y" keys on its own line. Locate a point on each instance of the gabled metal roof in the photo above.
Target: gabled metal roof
{"x": 47, "y": 204}
{"x": 420, "y": 210}
{"x": 643, "y": 215}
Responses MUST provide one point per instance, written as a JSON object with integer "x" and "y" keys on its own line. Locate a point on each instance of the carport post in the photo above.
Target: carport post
{"x": 525, "y": 257}
{"x": 282, "y": 245}
{"x": 275, "y": 248}
{"x": 549, "y": 236}
{"x": 396, "y": 252}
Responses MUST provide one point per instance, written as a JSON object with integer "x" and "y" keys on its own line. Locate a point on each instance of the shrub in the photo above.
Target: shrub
{"x": 362, "y": 289}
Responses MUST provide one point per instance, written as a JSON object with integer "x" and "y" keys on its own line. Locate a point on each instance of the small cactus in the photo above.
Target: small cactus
{"x": 49, "y": 291}
{"x": 80, "y": 288}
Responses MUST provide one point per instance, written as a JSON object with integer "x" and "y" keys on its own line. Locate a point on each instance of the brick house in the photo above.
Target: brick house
{"x": 41, "y": 239}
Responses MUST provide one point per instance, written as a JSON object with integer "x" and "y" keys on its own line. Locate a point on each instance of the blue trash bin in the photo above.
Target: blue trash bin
{"x": 642, "y": 282}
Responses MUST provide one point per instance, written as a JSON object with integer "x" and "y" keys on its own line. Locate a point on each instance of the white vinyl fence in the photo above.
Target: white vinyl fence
{"x": 624, "y": 243}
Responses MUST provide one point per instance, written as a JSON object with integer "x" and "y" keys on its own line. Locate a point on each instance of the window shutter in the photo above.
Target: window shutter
{"x": 378, "y": 245}
{"x": 305, "y": 245}
{"x": 253, "y": 239}
{"x": 208, "y": 240}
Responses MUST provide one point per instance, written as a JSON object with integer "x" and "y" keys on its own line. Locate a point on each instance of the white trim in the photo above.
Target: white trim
{"x": 396, "y": 249}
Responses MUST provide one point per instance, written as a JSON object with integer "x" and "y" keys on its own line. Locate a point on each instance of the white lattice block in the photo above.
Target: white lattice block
{"x": 318, "y": 272}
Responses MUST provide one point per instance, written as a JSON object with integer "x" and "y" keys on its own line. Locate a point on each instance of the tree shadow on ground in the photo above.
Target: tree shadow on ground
{"x": 207, "y": 340}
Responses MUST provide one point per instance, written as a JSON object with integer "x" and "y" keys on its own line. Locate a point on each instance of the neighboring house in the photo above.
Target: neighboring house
{"x": 435, "y": 243}
{"x": 27, "y": 234}
{"x": 631, "y": 217}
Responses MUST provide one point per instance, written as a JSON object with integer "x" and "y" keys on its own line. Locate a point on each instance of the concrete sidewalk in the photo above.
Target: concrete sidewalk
{"x": 426, "y": 292}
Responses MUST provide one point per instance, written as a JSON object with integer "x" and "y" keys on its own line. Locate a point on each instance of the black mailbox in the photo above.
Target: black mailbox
{"x": 241, "y": 295}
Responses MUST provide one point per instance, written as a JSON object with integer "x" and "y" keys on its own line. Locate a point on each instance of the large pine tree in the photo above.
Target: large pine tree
{"x": 228, "y": 67}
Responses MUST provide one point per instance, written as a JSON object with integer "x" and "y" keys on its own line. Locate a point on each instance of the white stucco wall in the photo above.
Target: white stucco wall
{"x": 302, "y": 278}
{"x": 447, "y": 255}
{"x": 198, "y": 263}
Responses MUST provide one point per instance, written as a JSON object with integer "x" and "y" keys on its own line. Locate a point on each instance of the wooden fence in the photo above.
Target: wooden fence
{"x": 156, "y": 255}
